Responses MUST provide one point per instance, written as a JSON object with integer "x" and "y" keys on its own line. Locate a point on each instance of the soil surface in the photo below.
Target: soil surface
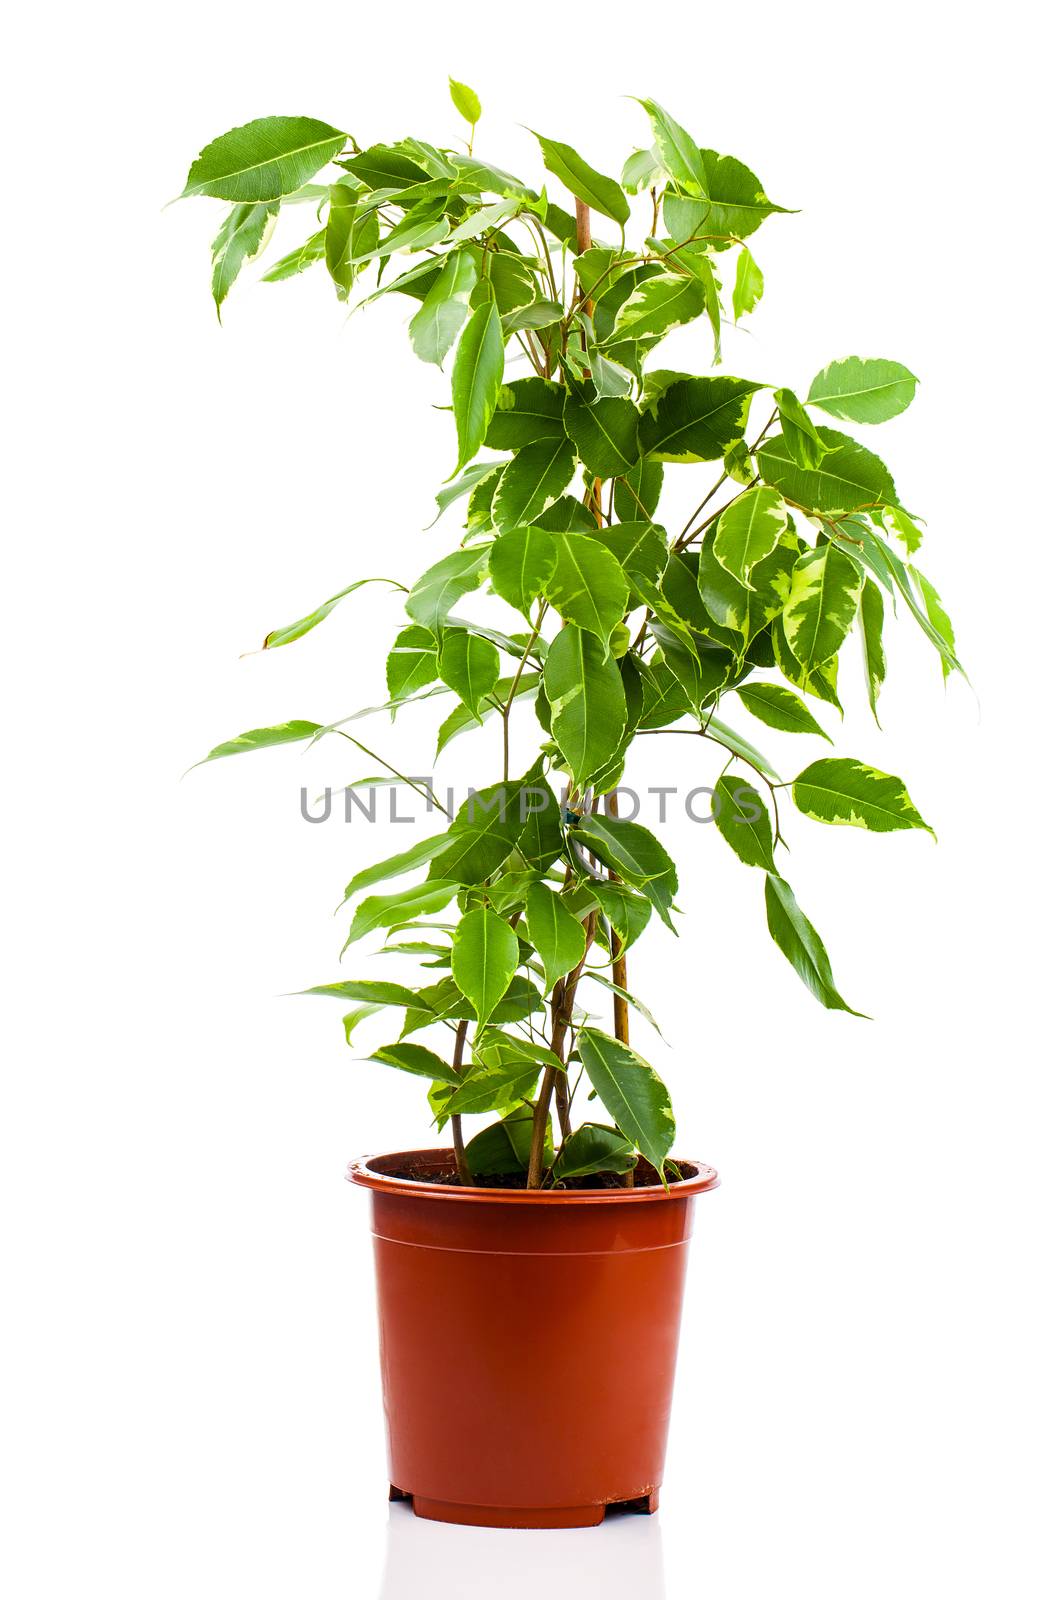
{"x": 444, "y": 1172}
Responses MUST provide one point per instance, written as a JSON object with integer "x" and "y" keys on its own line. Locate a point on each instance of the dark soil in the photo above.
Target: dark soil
{"x": 441, "y": 1169}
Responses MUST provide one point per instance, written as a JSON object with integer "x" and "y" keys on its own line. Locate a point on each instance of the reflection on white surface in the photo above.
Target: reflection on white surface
{"x": 444, "y": 1562}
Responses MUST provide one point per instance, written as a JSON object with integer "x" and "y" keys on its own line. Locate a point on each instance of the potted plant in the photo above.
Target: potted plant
{"x": 540, "y": 1258}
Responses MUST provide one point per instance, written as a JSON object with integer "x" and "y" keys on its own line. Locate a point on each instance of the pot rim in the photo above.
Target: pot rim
{"x": 363, "y": 1171}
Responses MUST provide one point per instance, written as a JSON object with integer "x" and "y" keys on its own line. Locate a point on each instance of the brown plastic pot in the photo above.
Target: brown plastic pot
{"x": 528, "y": 1341}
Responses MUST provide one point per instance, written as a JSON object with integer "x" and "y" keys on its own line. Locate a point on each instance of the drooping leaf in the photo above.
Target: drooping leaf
{"x": 593, "y": 1148}
{"x": 444, "y": 309}
{"x": 939, "y": 619}
{"x": 521, "y": 563}
{"x": 749, "y": 285}
{"x": 801, "y": 944}
{"x": 604, "y": 434}
{"x": 466, "y": 101}
{"x": 296, "y": 630}
{"x": 587, "y": 700}
{"x": 779, "y": 708}
{"x": 485, "y": 955}
{"x": 470, "y": 666}
{"x": 748, "y": 530}
{"x": 821, "y": 681}
{"x": 557, "y": 935}
{"x": 414, "y": 1058}
{"x": 872, "y": 610}
{"x": 373, "y": 990}
{"x": 863, "y": 391}
{"x": 631, "y": 1092}
{"x": 824, "y": 596}
{"x": 242, "y": 237}
{"x": 584, "y": 182}
{"x": 635, "y": 854}
{"x": 263, "y": 739}
{"x": 436, "y": 591}
{"x": 800, "y": 434}
{"x": 264, "y": 160}
{"x": 850, "y": 793}
{"x": 393, "y": 867}
{"x": 742, "y": 819}
{"x": 412, "y": 662}
{"x": 526, "y": 412}
{"x": 532, "y": 480}
{"x": 479, "y": 364}
{"x": 737, "y": 745}
{"x": 587, "y": 585}
{"x": 847, "y": 479}
{"x": 464, "y": 484}
{"x": 385, "y": 910}
{"x": 351, "y": 233}
{"x": 657, "y": 304}
{"x": 696, "y": 419}
{"x": 305, "y": 255}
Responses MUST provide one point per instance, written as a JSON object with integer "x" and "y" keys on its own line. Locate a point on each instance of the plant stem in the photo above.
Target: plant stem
{"x": 562, "y": 1013}
{"x": 464, "y": 1171}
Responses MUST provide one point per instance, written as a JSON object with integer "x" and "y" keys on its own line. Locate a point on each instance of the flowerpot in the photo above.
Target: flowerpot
{"x": 528, "y": 1341}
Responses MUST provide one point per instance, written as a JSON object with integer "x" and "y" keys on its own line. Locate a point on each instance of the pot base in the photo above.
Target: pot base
{"x": 523, "y": 1516}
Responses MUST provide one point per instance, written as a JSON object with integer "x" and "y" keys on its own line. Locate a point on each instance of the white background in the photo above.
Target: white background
{"x": 191, "y": 1399}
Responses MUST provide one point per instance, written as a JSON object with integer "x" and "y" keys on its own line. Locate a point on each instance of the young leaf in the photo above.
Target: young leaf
{"x": 485, "y": 955}
{"x": 444, "y": 309}
{"x": 521, "y": 563}
{"x": 863, "y": 391}
{"x": 779, "y": 708}
{"x": 743, "y": 820}
{"x": 587, "y": 586}
{"x": 593, "y": 1148}
{"x": 385, "y": 910}
{"x": 262, "y": 739}
{"x": 466, "y": 101}
{"x": 296, "y": 630}
{"x": 872, "y": 610}
{"x": 584, "y": 182}
{"x": 635, "y": 854}
{"x": 263, "y": 160}
{"x": 416, "y": 1059}
{"x": 855, "y": 795}
{"x": 479, "y": 364}
{"x": 556, "y": 934}
{"x": 588, "y": 702}
{"x": 532, "y": 480}
{"x": 436, "y": 591}
{"x": 801, "y": 944}
{"x": 748, "y": 530}
{"x": 470, "y": 666}
{"x": 632, "y": 1093}
{"x": 823, "y": 600}
{"x": 678, "y": 151}
{"x": 749, "y": 285}
{"x": 803, "y": 441}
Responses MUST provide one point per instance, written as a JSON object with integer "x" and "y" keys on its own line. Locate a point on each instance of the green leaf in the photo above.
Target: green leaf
{"x": 385, "y": 910}
{"x": 468, "y": 480}
{"x": 263, "y": 160}
{"x": 461, "y": 718}
{"x": 296, "y": 630}
{"x": 393, "y": 867}
{"x": 416, "y": 1059}
{"x": 872, "y": 610}
{"x": 635, "y": 854}
{"x": 505, "y": 1146}
{"x": 532, "y": 480}
{"x": 382, "y": 167}
{"x": 485, "y": 218}
{"x": 779, "y": 708}
{"x": 479, "y": 364}
{"x": 733, "y": 203}
{"x": 638, "y": 547}
{"x": 803, "y": 441}
{"x": 373, "y": 990}
{"x": 425, "y": 225}
{"x": 584, "y": 182}
{"x": 495, "y": 1086}
{"x": 743, "y": 820}
{"x": 412, "y": 662}
{"x": 470, "y": 666}
{"x": 587, "y": 700}
{"x": 631, "y": 1092}
{"x": 262, "y": 739}
{"x": 587, "y": 586}
{"x": 242, "y": 237}
{"x": 436, "y": 591}
{"x": 351, "y": 1019}
{"x": 696, "y": 419}
{"x": 733, "y": 741}
{"x": 847, "y": 479}
{"x": 604, "y": 434}
{"x": 939, "y": 619}
{"x": 749, "y": 285}
{"x": 593, "y": 1148}
{"x": 637, "y": 494}
{"x": 527, "y": 412}
{"x": 350, "y": 234}
{"x": 556, "y": 934}
{"x": 486, "y": 953}
{"x": 823, "y": 600}
{"x": 444, "y": 309}
{"x": 540, "y": 314}
{"x": 485, "y": 830}
{"x": 678, "y": 151}
{"x": 641, "y": 170}
{"x": 822, "y": 681}
{"x": 863, "y": 391}
{"x": 849, "y": 793}
{"x": 444, "y": 1002}
{"x": 298, "y": 260}
{"x": 801, "y": 944}
{"x": 628, "y": 911}
{"x": 466, "y": 101}
{"x": 748, "y": 530}
{"x": 657, "y": 304}
{"x": 521, "y": 563}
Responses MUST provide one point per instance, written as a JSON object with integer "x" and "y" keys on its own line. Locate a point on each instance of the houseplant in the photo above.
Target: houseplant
{"x": 548, "y": 1244}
